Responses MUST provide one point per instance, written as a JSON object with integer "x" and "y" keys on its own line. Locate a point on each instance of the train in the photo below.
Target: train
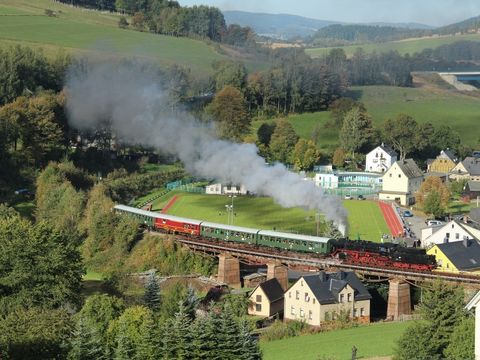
{"x": 359, "y": 252}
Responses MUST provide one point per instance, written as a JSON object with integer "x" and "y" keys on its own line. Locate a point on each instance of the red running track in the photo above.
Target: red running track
{"x": 170, "y": 203}
{"x": 396, "y": 228}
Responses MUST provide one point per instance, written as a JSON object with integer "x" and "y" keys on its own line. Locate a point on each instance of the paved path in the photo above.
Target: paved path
{"x": 396, "y": 228}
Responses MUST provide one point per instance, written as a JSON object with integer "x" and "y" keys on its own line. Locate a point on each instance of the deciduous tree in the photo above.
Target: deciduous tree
{"x": 433, "y": 195}
{"x": 305, "y": 154}
{"x": 283, "y": 141}
{"x": 357, "y": 130}
{"x": 229, "y": 110}
{"x": 401, "y": 132}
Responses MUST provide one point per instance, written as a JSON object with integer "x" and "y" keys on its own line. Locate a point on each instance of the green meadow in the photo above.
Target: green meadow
{"x": 364, "y": 217}
{"x": 371, "y": 341}
{"x": 77, "y": 30}
{"x": 440, "y": 107}
{"x": 407, "y": 46}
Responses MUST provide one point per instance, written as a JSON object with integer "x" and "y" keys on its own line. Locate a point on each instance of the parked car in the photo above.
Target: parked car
{"x": 361, "y": 197}
{"x": 407, "y": 213}
{"x": 434, "y": 222}
{"x": 348, "y": 197}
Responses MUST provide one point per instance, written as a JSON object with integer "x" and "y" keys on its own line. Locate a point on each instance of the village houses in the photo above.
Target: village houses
{"x": 468, "y": 169}
{"x": 220, "y": 189}
{"x": 401, "y": 182}
{"x": 458, "y": 256}
{"x": 322, "y": 297}
{"x": 443, "y": 163}
{"x": 451, "y": 232}
{"x": 380, "y": 159}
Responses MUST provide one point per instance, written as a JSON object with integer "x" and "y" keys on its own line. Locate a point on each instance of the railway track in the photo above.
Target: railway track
{"x": 322, "y": 263}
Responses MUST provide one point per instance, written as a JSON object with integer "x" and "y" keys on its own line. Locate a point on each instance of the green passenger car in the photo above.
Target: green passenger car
{"x": 229, "y": 233}
{"x": 294, "y": 242}
{"x": 143, "y": 217}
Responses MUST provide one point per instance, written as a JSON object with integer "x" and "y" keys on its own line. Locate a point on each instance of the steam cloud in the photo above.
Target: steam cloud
{"x": 137, "y": 109}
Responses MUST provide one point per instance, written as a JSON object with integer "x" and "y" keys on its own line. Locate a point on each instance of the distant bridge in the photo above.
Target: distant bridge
{"x": 462, "y": 80}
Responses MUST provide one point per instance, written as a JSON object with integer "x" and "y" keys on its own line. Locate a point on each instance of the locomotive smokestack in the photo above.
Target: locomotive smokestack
{"x": 138, "y": 109}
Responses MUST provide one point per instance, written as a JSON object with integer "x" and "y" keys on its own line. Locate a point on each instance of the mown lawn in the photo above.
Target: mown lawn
{"x": 410, "y": 46}
{"x": 371, "y": 341}
{"x": 364, "y": 218}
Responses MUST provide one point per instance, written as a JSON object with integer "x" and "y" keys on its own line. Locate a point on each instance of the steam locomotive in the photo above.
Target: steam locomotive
{"x": 357, "y": 252}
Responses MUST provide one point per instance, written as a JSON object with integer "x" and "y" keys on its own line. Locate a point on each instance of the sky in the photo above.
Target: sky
{"x": 430, "y": 12}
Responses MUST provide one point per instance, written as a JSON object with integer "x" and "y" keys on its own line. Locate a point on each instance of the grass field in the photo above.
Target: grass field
{"x": 79, "y": 30}
{"x": 440, "y": 107}
{"x": 407, "y": 46}
{"x": 371, "y": 341}
{"x": 365, "y": 218}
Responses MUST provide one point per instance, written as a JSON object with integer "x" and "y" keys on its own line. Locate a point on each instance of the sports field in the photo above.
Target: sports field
{"x": 365, "y": 218}
{"x": 373, "y": 340}
{"x": 407, "y": 46}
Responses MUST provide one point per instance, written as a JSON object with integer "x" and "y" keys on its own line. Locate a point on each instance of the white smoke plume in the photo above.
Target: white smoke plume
{"x": 137, "y": 108}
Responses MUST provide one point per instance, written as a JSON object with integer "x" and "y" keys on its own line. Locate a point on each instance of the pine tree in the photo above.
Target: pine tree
{"x": 229, "y": 344}
{"x": 177, "y": 337}
{"x": 152, "y": 292}
{"x": 190, "y": 303}
{"x": 250, "y": 349}
{"x": 204, "y": 339}
{"x": 86, "y": 343}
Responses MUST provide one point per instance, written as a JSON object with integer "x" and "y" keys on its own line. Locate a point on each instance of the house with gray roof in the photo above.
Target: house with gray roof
{"x": 459, "y": 256}
{"x": 401, "y": 182}
{"x": 266, "y": 299}
{"x": 468, "y": 169}
{"x": 380, "y": 159}
{"x": 323, "y": 297}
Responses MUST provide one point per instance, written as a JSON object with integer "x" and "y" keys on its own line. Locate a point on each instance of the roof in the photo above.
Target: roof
{"x": 388, "y": 150}
{"x": 473, "y": 302}
{"x": 472, "y": 164}
{"x": 155, "y": 215}
{"x": 326, "y": 286}
{"x": 464, "y": 254}
{"x": 409, "y": 168}
{"x": 230, "y": 227}
{"x": 474, "y": 185}
{"x": 450, "y": 154}
{"x": 272, "y": 289}
{"x": 293, "y": 236}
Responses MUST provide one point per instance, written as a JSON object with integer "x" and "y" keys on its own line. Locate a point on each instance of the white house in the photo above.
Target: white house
{"x": 380, "y": 159}
{"x": 401, "y": 181}
{"x": 220, "y": 189}
{"x": 450, "y": 232}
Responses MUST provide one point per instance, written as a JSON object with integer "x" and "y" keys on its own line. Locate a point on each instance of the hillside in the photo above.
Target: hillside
{"x": 428, "y": 103}
{"x": 407, "y": 46}
{"x": 281, "y": 26}
{"x": 81, "y": 30}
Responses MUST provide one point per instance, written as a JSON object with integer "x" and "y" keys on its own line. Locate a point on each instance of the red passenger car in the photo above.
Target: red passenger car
{"x": 177, "y": 225}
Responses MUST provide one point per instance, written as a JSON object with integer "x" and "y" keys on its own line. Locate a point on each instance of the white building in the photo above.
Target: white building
{"x": 220, "y": 189}
{"x": 326, "y": 181}
{"x": 401, "y": 181}
{"x": 380, "y": 159}
{"x": 450, "y": 232}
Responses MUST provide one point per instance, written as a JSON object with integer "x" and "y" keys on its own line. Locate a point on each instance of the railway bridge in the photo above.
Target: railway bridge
{"x": 230, "y": 256}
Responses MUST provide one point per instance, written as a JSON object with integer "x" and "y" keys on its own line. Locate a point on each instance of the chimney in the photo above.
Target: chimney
{"x": 465, "y": 242}
{"x": 465, "y": 219}
{"x": 322, "y": 276}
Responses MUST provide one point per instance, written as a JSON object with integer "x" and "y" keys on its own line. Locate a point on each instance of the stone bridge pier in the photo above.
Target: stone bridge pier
{"x": 229, "y": 270}
{"x": 398, "y": 299}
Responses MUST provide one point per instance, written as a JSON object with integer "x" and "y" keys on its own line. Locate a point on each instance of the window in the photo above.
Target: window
{"x": 301, "y": 283}
{"x": 349, "y": 297}
{"x": 354, "y": 312}
{"x": 258, "y": 307}
{"x": 341, "y": 297}
{"x": 289, "y": 294}
{"x": 297, "y": 295}
{"x": 302, "y": 313}
{"x": 448, "y": 265}
{"x": 307, "y": 298}
{"x": 399, "y": 176}
{"x": 259, "y": 298}
{"x": 390, "y": 174}
{"x": 292, "y": 310}
{"x": 362, "y": 312}
{"x": 309, "y": 314}
{"x": 327, "y": 316}
{"x": 457, "y": 236}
